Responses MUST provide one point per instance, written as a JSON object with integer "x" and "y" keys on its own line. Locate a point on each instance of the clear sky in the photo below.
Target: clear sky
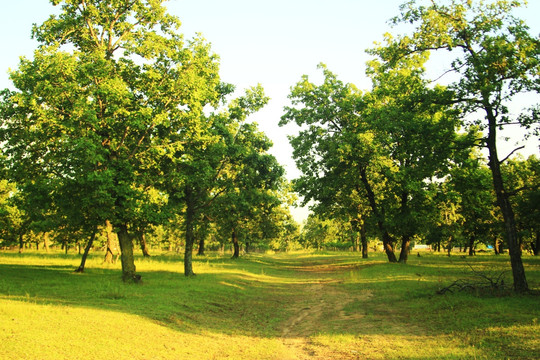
{"x": 268, "y": 42}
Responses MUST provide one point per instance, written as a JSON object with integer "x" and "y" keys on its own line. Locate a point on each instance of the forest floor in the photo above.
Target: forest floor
{"x": 285, "y": 306}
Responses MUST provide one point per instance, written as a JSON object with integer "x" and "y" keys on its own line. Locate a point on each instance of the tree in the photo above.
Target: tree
{"x": 251, "y": 195}
{"x": 470, "y": 180}
{"x": 417, "y": 134}
{"x": 210, "y": 162}
{"x": 108, "y": 94}
{"x": 494, "y": 60}
{"x": 336, "y": 150}
{"x": 10, "y": 216}
{"x": 524, "y": 175}
{"x": 382, "y": 146}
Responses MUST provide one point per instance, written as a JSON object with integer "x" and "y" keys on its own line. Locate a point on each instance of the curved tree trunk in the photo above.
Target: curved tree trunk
{"x": 128, "y": 260}
{"x": 142, "y": 242}
{"x": 109, "y": 253}
{"x": 80, "y": 269}
{"x": 386, "y": 238}
{"x": 513, "y": 243}
{"x": 405, "y": 245}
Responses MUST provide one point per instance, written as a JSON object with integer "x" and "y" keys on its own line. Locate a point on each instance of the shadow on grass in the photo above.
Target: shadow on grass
{"x": 258, "y": 296}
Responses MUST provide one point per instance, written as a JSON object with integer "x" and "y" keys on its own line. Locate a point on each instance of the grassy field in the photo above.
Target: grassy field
{"x": 286, "y": 306}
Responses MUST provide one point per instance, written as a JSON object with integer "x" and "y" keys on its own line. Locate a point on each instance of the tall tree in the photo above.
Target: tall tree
{"x": 417, "y": 133}
{"x": 109, "y": 92}
{"x": 524, "y": 175}
{"x": 251, "y": 195}
{"x": 336, "y": 150}
{"x": 210, "y": 162}
{"x": 494, "y": 59}
{"x": 382, "y": 146}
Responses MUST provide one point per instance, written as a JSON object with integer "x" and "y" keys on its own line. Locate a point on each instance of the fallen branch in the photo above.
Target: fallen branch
{"x": 481, "y": 282}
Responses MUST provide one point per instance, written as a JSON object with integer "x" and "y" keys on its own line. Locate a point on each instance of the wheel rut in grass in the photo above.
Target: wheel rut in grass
{"x": 318, "y": 301}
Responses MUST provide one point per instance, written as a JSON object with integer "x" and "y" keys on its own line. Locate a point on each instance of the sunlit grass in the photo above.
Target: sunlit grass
{"x": 347, "y": 308}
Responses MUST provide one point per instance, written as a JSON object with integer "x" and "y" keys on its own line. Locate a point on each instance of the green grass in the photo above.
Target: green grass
{"x": 286, "y": 306}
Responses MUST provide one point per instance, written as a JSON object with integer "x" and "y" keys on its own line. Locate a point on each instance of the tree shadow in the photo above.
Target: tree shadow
{"x": 257, "y": 297}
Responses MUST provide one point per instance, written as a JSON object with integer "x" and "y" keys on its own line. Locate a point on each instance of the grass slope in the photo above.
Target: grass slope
{"x": 296, "y": 306}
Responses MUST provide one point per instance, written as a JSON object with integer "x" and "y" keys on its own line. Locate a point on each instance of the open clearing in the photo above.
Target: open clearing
{"x": 290, "y": 306}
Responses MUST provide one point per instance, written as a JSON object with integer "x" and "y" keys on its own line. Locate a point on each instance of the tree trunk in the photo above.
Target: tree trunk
{"x": 355, "y": 236}
{"x": 387, "y": 239}
{"x": 21, "y": 242}
{"x": 513, "y": 243}
{"x": 46, "y": 241}
{"x": 190, "y": 235}
{"x": 109, "y": 254}
{"x": 236, "y": 246}
{"x": 142, "y": 242}
{"x": 128, "y": 261}
{"x": 80, "y": 269}
{"x": 200, "y": 250}
{"x": 405, "y": 245}
{"x": 471, "y": 246}
{"x": 247, "y": 247}
{"x": 536, "y": 245}
{"x": 449, "y": 248}
{"x": 364, "y": 241}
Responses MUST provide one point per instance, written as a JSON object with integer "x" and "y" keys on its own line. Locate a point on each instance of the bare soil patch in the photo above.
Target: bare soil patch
{"x": 318, "y": 302}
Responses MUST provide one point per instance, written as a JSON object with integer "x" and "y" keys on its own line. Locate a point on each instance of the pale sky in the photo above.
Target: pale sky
{"x": 268, "y": 42}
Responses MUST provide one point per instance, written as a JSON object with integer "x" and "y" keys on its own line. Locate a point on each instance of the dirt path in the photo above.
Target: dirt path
{"x": 318, "y": 301}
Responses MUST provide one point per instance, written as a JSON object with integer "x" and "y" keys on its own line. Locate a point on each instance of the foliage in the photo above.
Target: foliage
{"x": 494, "y": 59}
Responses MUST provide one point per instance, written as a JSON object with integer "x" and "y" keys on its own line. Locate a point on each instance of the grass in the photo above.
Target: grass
{"x": 286, "y": 306}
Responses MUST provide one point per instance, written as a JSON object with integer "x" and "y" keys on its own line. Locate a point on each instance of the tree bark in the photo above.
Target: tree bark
{"x": 21, "y": 242}
{"x": 536, "y": 245}
{"x": 128, "y": 260}
{"x": 386, "y": 238}
{"x": 236, "y": 246}
{"x": 503, "y": 200}
{"x": 405, "y": 245}
{"x": 109, "y": 254}
{"x": 200, "y": 250}
{"x": 363, "y": 240}
{"x": 355, "y": 235}
{"x": 471, "y": 246}
{"x": 190, "y": 235}
{"x": 142, "y": 242}
{"x": 80, "y": 269}
{"x": 46, "y": 241}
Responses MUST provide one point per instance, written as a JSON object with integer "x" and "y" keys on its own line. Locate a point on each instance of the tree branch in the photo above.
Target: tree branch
{"x": 513, "y": 151}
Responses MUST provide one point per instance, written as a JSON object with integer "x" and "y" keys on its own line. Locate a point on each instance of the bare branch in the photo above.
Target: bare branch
{"x": 513, "y": 151}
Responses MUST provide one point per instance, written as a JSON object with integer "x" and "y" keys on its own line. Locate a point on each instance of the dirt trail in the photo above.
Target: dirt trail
{"x": 319, "y": 301}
